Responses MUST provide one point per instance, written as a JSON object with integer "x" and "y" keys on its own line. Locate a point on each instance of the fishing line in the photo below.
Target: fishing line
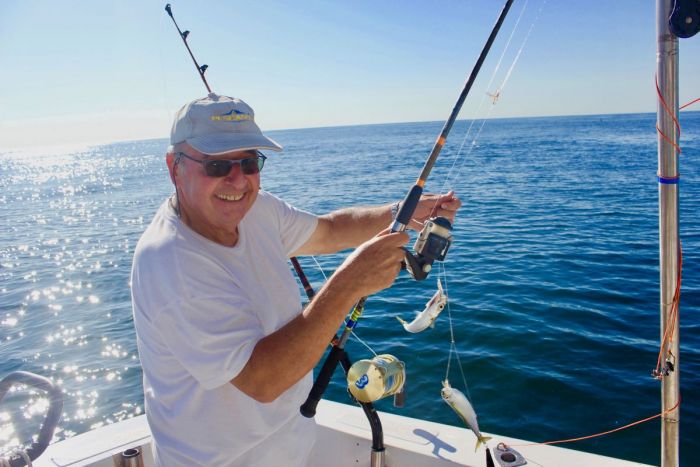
{"x": 491, "y": 80}
{"x": 453, "y": 344}
{"x": 473, "y": 144}
{"x": 363, "y": 343}
{"x": 364, "y": 315}
{"x": 352, "y": 333}
{"x": 320, "y": 268}
{"x": 419, "y": 263}
{"x": 462, "y": 158}
{"x": 400, "y": 225}
{"x": 522, "y": 47}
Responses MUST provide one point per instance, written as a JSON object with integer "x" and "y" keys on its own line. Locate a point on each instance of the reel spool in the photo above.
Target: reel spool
{"x": 371, "y": 380}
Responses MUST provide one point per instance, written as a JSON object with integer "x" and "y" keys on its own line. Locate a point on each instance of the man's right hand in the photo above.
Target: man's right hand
{"x": 373, "y": 266}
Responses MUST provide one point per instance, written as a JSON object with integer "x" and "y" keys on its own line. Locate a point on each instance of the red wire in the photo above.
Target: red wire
{"x": 673, "y": 317}
{"x": 672, "y": 115}
{"x": 689, "y": 104}
{"x": 667, "y": 338}
{"x": 629, "y": 425}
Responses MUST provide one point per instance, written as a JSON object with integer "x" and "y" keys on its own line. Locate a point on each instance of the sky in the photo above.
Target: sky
{"x": 92, "y": 72}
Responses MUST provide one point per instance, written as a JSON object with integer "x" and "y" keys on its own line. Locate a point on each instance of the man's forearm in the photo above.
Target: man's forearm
{"x": 282, "y": 358}
{"x": 353, "y": 226}
{"x": 346, "y": 228}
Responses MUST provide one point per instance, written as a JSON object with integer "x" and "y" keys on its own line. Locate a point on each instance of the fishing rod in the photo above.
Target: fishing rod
{"x": 308, "y": 409}
{"x": 432, "y": 243}
{"x": 200, "y": 71}
{"x": 338, "y": 342}
{"x": 183, "y": 36}
{"x": 435, "y": 238}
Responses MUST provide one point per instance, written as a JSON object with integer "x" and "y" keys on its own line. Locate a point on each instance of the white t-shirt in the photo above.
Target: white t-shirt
{"x": 199, "y": 310}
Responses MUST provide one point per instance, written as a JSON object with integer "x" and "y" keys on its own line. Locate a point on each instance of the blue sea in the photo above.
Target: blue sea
{"x": 552, "y": 277}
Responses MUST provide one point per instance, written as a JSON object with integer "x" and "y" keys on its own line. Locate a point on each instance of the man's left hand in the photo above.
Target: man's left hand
{"x": 431, "y": 205}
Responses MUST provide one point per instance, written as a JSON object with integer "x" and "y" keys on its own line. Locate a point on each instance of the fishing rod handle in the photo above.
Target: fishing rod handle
{"x": 308, "y": 408}
{"x": 408, "y": 207}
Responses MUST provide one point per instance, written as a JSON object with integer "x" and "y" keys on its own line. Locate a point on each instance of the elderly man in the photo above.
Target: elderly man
{"x": 226, "y": 349}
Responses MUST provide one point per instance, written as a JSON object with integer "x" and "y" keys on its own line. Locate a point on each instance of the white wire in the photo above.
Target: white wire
{"x": 446, "y": 183}
{"x": 458, "y": 157}
{"x": 453, "y": 344}
{"x": 462, "y": 160}
{"x": 325, "y": 278}
{"x": 363, "y": 343}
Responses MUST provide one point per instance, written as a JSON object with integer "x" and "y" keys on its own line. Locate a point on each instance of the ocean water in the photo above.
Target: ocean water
{"x": 552, "y": 276}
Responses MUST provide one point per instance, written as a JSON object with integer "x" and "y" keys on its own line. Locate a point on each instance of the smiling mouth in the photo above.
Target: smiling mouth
{"x": 231, "y": 197}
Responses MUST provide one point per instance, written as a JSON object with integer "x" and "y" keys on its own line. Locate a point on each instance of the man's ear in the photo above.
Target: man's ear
{"x": 172, "y": 166}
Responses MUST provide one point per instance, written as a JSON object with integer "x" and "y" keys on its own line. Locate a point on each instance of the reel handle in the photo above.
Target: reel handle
{"x": 400, "y": 399}
{"x": 416, "y": 267}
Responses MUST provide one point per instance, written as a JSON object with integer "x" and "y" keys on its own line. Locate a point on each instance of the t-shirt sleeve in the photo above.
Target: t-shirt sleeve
{"x": 296, "y": 225}
{"x": 211, "y": 337}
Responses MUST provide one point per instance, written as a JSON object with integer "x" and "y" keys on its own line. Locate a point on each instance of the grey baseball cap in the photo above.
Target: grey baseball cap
{"x": 219, "y": 124}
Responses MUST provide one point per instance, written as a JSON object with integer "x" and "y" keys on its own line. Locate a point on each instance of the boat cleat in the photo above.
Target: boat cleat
{"x": 507, "y": 456}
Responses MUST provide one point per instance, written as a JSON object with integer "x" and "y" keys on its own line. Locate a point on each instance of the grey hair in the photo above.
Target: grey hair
{"x": 175, "y": 148}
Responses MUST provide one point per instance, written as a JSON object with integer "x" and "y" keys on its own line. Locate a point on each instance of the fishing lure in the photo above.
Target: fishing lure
{"x": 464, "y": 409}
{"x": 428, "y": 316}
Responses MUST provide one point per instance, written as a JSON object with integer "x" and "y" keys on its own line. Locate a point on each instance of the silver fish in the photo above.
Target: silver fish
{"x": 428, "y": 316}
{"x": 464, "y": 409}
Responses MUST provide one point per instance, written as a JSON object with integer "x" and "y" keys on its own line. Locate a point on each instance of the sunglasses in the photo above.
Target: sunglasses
{"x": 222, "y": 167}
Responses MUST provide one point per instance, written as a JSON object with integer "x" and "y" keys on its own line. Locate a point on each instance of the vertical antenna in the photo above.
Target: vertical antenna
{"x": 183, "y": 36}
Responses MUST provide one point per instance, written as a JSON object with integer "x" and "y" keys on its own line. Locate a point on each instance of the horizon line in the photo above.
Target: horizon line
{"x": 63, "y": 147}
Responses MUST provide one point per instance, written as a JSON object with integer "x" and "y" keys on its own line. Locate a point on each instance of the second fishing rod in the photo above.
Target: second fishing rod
{"x": 432, "y": 242}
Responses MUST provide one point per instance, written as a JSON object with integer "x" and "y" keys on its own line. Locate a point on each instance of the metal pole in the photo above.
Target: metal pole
{"x": 667, "y": 76}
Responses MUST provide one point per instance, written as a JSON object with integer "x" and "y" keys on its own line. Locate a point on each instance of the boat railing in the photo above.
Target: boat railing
{"x": 24, "y": 457}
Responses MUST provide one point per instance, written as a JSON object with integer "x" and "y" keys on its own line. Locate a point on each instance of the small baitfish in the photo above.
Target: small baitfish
{"x": 428, "y": 316}
{"x": 463, "y": 407}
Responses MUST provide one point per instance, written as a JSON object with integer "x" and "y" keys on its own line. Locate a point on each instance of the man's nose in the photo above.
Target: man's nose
{"x": 236, "y": 174}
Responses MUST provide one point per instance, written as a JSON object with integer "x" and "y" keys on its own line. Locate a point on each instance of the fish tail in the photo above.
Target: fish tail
{"x": 481, "y": 440}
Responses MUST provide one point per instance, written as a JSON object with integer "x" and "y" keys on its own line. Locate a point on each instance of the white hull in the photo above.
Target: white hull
{"x": 344, "y": 440}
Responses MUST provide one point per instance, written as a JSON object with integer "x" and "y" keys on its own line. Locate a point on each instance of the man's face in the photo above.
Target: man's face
{"x": 213, "y": 206}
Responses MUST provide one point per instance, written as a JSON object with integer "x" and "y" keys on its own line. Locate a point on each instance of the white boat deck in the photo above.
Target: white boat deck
{"x": 344, "y": 440}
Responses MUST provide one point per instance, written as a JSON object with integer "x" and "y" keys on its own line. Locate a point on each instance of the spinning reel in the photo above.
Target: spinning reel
{"x": 431, "y": 245}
